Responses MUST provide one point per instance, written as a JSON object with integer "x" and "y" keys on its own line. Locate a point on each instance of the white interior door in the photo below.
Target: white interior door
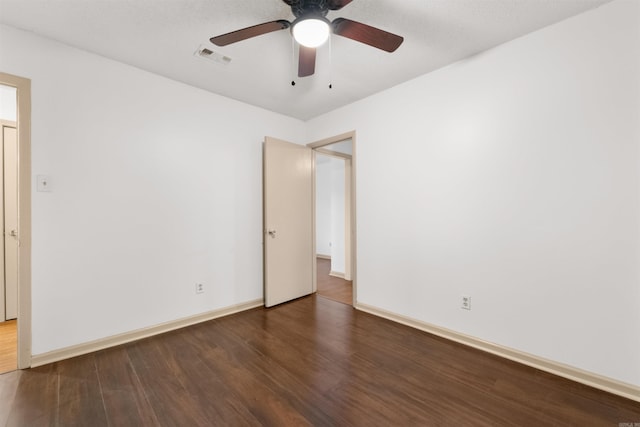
{"x": 288, "y": 221}
{"x": 10, "y": 145}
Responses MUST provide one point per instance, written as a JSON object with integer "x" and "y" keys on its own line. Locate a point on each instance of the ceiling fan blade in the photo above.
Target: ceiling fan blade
{"x": 307, "y": 61}
{"x": 338, "y": 4}
{"x": 247, "y": 33}
{"x": 366, "y": 34}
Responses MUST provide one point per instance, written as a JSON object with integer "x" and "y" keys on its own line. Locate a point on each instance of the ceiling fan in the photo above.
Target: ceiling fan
{"x": 311, "y": 29}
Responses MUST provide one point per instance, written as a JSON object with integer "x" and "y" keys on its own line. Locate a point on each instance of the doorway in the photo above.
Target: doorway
{"x": 15, "y": 274}
{"x": 8, "y": 220}
{"x": 334, "y": 218}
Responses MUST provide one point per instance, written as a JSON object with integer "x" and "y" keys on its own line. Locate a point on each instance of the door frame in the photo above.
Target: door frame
{"x": 23, "y": 122}
{"x": 317, "y": 148}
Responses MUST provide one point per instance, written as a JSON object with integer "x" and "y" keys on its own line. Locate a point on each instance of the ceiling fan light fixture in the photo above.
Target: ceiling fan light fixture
{"x": 311, "y": 32}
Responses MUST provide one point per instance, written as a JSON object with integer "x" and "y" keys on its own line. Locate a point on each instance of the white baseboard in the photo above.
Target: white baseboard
{"x": 112, "y": 341}
{"x": 336, "y": 274}
{"x": 610, "y": 385}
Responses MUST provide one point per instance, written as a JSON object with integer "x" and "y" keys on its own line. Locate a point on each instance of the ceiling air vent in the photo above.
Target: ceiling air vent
{"x": 206, "y": 53}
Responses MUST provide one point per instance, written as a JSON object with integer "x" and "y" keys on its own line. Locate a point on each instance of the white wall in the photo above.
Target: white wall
{"x": 330, "y": 213}
{"x": 337, "y": 216}
{"x": 8, "y": 105}
{"x": 323, "y": 205}
{"x": 512, "y": 177}
{"x": 156, "y": 186}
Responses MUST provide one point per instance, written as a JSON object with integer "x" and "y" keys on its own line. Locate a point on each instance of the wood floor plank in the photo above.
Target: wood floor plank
{"x": 80, "y": 394}
{"x": 277, "y": 365}
{"x": 299, "y": 361}
{"x": 124, "y": 396}
{"x": 313, "y": 361}
{"x": 241, "y": 367}
{"x": 208, "y": 391}
{"x": 8, "y": 388}
{"x": 36, "y": 400}
{"x": 285, "y": 323}
{"x": 159, "y": 375}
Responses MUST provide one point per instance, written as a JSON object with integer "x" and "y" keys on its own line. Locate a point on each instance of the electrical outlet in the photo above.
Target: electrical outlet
{"x": 199, "y": 288}
{"x": 465, "y": 302}
{"x": 43, "y": 183}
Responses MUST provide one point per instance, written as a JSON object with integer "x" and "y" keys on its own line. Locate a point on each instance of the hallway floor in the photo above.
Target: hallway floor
{"x": 334, "y": 288}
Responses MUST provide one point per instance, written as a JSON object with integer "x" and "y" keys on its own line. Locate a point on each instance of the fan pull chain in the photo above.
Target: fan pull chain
{"x": 330, "y": 64}
{"x": 293, "y": 61}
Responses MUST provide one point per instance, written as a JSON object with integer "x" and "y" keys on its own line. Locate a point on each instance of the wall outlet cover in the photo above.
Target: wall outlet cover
{"x": 43, "y": 183}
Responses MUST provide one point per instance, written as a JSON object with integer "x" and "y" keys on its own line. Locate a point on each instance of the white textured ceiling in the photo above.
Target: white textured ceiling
{"x": 161, "y": 36}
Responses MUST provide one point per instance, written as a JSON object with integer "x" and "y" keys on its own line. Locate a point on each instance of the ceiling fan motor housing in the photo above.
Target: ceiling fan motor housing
{"x": 309, "y": 7}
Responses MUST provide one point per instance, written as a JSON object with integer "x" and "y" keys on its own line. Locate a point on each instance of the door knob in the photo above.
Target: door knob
{"x": 13, "y": 233}
{"x": 272, "y": 233}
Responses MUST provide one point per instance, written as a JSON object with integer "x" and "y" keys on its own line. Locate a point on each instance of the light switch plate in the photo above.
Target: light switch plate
{"x": 43, "y": 183}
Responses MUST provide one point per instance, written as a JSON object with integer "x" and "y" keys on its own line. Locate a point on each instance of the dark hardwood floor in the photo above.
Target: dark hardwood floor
{"x": 331, "y": 287}
{"x": 309, "y": 362}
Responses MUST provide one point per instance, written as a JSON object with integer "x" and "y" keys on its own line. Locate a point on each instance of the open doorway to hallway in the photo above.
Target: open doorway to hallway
{"x": 19, "y": 234}
{"x": 333, "y": 222}
{"x": 9, "y": 229}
